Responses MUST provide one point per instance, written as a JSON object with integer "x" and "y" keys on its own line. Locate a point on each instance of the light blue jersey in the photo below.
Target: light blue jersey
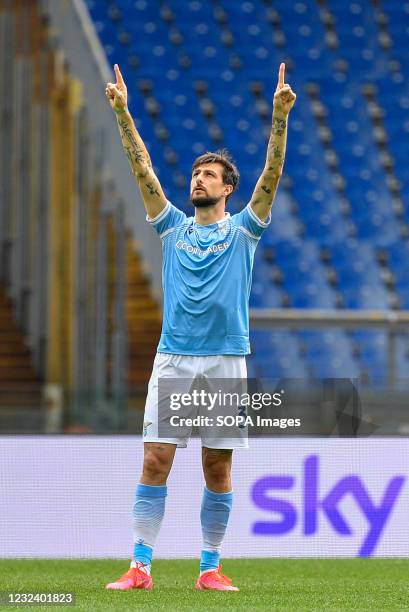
{"x": 206, "y": 282}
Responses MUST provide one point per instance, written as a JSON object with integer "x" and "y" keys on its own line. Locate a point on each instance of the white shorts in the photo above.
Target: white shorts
{"x": 187, "y": 369}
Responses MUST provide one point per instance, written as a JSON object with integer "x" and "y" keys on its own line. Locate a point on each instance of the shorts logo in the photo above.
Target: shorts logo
{"x": 145, "y": 427}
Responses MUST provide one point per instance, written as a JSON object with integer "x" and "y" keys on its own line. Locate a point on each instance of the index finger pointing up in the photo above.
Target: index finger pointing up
{"x": 119, "y": 79}
{"x": 281, "y": 76}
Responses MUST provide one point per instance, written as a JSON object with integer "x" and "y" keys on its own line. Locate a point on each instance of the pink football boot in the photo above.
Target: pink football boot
{"x": 134, "y": 578}
{"x": 214, "y": 580}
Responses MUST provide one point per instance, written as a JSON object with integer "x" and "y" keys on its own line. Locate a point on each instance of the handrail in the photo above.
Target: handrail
{"x": 296, "y": 318}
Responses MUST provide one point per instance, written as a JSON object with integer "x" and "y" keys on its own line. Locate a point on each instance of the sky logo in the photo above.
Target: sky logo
{"x": 313, "y": 503}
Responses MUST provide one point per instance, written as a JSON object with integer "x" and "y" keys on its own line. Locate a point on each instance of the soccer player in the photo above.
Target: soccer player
{"x": 207, "y": 266}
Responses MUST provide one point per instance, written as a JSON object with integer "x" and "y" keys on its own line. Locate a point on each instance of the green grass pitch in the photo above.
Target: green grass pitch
{"x": 266, "y": 584}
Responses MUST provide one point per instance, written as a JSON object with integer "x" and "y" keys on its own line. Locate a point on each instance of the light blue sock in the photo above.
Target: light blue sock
{"x": 148, "y": 511}
{"x": 214, "y": 517}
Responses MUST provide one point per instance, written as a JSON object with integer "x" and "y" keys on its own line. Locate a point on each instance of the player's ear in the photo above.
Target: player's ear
{"x": 228, "y": 190}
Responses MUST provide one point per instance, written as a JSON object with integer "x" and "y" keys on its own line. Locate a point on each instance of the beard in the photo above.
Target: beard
{"x": 204, "y": 201}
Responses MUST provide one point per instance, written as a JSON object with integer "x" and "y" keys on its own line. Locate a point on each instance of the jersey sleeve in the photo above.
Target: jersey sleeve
{"x": 248, "y": 220}
{"x": 169, "y": 218}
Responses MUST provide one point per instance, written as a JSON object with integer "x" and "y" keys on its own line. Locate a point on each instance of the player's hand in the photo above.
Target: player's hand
{"x": 284, "y": 97}
{"x": 117, "y": 93}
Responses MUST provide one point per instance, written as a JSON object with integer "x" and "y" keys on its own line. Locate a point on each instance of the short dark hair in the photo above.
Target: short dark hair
{"x": 231, "y": 175}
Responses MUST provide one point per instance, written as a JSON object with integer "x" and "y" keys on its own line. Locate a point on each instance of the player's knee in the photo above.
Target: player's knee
{"x": 155, "y": 467}
{"x": 217, "y": 474}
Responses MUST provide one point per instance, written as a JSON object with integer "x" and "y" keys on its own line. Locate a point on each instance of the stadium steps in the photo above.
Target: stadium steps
{"x": 143, "y": 318}
{"x": 20, "y": 385}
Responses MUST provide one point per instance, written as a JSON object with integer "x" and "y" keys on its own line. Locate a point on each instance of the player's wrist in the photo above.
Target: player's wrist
{"x": 120, "y": 111}
{"x": 279, "y": 113}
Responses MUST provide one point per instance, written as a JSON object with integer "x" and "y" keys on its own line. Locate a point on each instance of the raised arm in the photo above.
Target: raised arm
{"x": 265, "y": 190}
{"x": 152, "y": 194}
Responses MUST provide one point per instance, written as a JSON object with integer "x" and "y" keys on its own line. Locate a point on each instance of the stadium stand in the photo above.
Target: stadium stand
{"x": 15, "y": 362}
{"x": 76, "y": 308}
{"x": 201, "y": 75}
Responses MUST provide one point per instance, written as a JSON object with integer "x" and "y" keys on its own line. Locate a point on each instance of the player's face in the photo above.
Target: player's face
{"x": 207, "y": 187}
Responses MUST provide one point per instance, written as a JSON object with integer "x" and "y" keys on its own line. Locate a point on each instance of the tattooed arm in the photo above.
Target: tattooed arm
{"x": 265, "y": 190}
{"x": 152, "y": 194}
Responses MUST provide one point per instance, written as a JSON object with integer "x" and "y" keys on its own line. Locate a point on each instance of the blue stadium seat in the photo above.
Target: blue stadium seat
{"x": 266, "y": 295}
{"x": 330, "y": 354}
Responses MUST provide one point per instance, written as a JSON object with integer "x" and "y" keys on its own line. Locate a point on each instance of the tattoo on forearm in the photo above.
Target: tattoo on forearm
{"x": 267, "y": 184}
{"x": 152, "y": 189}
{"x": 279, "y": 126}
{"x": 274, "y": 149}
{"x": 142, "y": 175}
{"x": 277, "y": 152}
{"x": 277, "y": 168}
{"x": 134, "y": 152}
